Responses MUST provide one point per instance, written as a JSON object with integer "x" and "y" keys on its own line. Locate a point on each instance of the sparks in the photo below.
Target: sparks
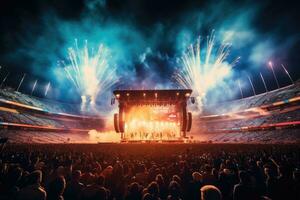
{"x": 203, "y": 70}
{"x": 90, "y": 72}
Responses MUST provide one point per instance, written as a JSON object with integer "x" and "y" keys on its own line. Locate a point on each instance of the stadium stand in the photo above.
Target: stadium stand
{"x": 252, "y": 119}
{"x": 57, "y": 107}
{"x": 20, "y": 113}
{"x": 269, "y": 117}
{"x": 253, "y": 101}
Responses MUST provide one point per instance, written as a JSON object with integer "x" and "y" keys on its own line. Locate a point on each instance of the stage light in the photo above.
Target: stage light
{"x": 127, "y": 94}
{"x": 148, "y": 117}
{"x": 187, "y": 94}
{"x": 270, "y": 63}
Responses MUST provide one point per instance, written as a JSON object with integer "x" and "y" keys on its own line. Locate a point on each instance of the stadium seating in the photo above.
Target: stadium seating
{"x": 208, "y": 130}
{"x": 49, "y": 105}
{"x": 19, "y": 112}
{"x": 253, "y": 101}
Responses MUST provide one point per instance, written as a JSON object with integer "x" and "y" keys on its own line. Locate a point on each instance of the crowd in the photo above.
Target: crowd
{"x": 149, "y": 172}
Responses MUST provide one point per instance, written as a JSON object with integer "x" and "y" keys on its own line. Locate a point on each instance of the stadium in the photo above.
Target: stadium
{"x": 271, "y": 117}
{"x": 149, "y": 100}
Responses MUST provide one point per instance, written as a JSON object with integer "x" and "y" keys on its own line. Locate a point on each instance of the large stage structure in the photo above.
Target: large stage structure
{"x": 152, "y": 115}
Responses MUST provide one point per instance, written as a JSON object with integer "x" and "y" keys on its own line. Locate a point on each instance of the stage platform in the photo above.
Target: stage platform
{"x": 154, "y": 141}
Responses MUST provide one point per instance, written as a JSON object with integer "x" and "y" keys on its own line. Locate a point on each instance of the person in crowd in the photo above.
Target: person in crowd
{"x": 118, "y": 181}
{"x": 10, "y": 188}
{"x": 244, "y": 189}
{"x": 33, "y": 189}
{"x": 134, "y": 192}
{"x": 95, "y": 189}
{"x": 153, "y": 190}
{"x": 272, "y": 184}
{"x": 296, "y": 183}
{"x": 56, "y": 188}
{"x": 163, "y": 189}
{"x": 225, "y": 186}
{"x": 285, "y": 181}
{"x": 208, "y": 176}
{"x": 142, "y": 174}
{"x": 74, "y": 187}
{"x": 194, "y": 186}
{"x": 210, "y": 192}
{"x": 129, "y": 172}
{"x": 174, "y": 191}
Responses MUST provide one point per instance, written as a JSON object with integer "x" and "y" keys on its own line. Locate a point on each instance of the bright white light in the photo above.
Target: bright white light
{"x": 204, "y": 69}
{"x": 90, "y": 71}
{"x": 270, "y": 64}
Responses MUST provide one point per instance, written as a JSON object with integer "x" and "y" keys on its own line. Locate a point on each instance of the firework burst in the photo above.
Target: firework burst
{"x": 204, "y": 68}
{"x": 89, "y": 70}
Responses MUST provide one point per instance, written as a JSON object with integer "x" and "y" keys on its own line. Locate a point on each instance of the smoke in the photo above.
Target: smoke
{"x": 239, "y": 25}
{"x": 144, "y": 48}
{"x": 106, "y": 137}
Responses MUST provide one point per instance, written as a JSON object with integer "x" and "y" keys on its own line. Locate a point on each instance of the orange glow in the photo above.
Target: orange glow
{"x": 152, "y": 123}
{"x": 8, "y": 110}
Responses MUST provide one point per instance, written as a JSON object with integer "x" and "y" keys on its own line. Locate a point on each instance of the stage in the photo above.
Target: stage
{"x": 152, "y": 115}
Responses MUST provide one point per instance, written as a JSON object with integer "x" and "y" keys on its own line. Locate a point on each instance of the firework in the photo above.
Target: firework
{"x": 204, "y": 68}
{"x": 90, "y": 71}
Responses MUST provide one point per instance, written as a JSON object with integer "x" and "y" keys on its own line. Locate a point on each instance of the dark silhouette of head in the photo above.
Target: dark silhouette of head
{"x": 76, "y": 175}
{"x": 244, "y": 177}
{"x": 56, "y": 187}
{"x": 210, "y": 192}
{"x": 35, "y": 177}
{"x": 101, "y": 194}
{"x": 174, "y": 189}
{"x": 100, "y": 180}
{"x": 153, "y": 188}
{"x": 13, "y": 176}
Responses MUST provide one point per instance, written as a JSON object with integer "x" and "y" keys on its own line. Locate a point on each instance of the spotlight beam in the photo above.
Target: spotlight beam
{"x": 21, "y": 82}
{"x": 288, "y": 74}
{"x": 4, "y": 79}
{"x": 275, "y": 77}
{"x": 240, "y": 87}
{"x": 253, "y": 89}
{"x": 263, "y": 80}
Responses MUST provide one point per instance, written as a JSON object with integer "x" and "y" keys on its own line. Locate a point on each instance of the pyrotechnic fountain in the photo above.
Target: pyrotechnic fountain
{"x": 203, "y": 68}
{"x": 91, "y": 72}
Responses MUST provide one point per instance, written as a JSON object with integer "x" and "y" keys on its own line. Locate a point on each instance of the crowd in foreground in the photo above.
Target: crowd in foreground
{"x": 149, "y": 172}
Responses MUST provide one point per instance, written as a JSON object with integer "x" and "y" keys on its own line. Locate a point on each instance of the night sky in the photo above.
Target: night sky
{"x": 36, "y": 34}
